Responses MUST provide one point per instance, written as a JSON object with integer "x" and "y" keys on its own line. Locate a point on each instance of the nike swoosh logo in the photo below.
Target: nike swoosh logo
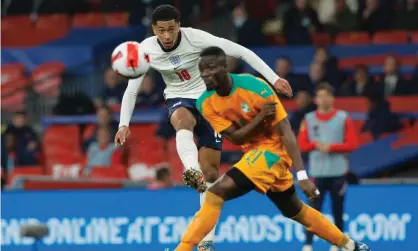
{"x": 218, "y": 141}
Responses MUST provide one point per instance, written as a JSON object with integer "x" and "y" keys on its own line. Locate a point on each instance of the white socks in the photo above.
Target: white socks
{"x": 187, "y": 149}
{"x": 349, "y": 246}
{"x": 211, "y": 235}
{"x": 189, "y": 155}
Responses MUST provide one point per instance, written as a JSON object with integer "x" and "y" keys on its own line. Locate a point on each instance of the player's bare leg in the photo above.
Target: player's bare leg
{"x": 222, "y": 190}
{"x": 209, "y": 163}
{"x": 184, "y": 122}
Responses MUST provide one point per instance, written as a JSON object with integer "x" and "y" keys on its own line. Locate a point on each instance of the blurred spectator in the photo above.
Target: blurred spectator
{"x": 114, "y": 89}
{"x": 104, "y": 119}
{"x": 103, "y": 152}
{"x": 234, "y": 65}
{"x": 406, "y": 15}
{"x": 18, "y": 156}
{"x": 249, "y": 31}
{"x": 162, "y": 179}
{"x": 284, "y": 70}
{"x": 330, "y": 64}
{"x": 304, "y": 105}
{"x": 328, "y": 135}
{"x": 392, "y": 82}
{"x": 148, "y": 94}
{"x": 379, "y": 118}
{"x": 338, "y": 15}
{"x": 315, "y": 77}
{"x": 299, "y": 23}
{"x": 25, "y": 137}
{"x": 361, "y": 85}
{"x": 375, "y": 16}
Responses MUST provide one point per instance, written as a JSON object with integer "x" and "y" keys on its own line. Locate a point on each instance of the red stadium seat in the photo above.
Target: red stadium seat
{"x": 88, "y": 20}
{"x": 345, "y": 63}
{"x": 48, "y": 78}
{"x": 12, "y": 71}
{"x": 152, "y": 152}
{"x": 14, "y": 102}
{"x": 365, "y": 138}
{"x": 352, "y": 38}
{"x": 13, "y": 85}
{"x": 414, "y": 37}
{"x": 321, "y": 39}
{"x": 390, "y": 37}
{"x": 117, "y": 19}
{"x": 228, "y": 146}
{"x": 16, "y": 22}
{"x": 62, "y": 140}
{"x": 25, "y": 171}
{"x": 408, "y": 60}
{"x": 57, "y": 21}
{"x": 109, "y": 172}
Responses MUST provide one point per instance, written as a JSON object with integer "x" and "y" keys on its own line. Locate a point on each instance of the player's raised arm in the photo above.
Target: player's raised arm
{"x": 203, "y": 39}
{"x": 127, "y": 108}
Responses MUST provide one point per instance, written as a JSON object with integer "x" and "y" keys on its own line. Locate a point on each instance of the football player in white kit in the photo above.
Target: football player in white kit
{"x": 174, "y": 52}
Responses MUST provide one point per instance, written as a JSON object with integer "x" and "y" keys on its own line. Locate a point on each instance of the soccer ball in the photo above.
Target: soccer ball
{"x": 130, "y": 60}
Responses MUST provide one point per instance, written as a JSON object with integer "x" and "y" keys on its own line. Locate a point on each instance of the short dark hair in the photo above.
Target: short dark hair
{"x": 165, "y": 12}
{"x": 325, "y": 87}
{"x": 162, "y": 172}
{"x": 213, "y": 51}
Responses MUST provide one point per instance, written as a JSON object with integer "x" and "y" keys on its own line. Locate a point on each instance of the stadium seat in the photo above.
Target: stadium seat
{"x": 14, "y": 102}
{"x": 408, "y": 60}
{"x": 57, "y": 21}
{"x": 16, "y": 23}
{"x": 351, "y": 62}
{"x": 352, "y": 38}
{"x": 13, "y": 85}
{"x": 143, "y": 132}
{"x": 117, "y": 19}
{"x": 25, "y": 171}
{"x": 88, "y": 20}
{"x": 390, "y": 37}
{"x": 62, "y": 140}
{"x": 228, "y": 146}
{"x": 365, "y": 138}
{"x": 321, "y": 39}
{"x": 150, "y": 152}
{"x": 12, "y": 71}
{"x": 414, "y": 37}
{"x": 109, "y": 172}
{"x": 48, "y": 78}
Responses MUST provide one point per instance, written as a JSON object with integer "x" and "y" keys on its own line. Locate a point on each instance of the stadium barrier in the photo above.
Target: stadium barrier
{"x": 386, "y": 217}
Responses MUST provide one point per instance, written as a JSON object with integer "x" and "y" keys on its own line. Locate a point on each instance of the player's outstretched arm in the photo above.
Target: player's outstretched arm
{"x": 242, "y": 135}
{"x": 284, "y": 130}
{"x": 203, "y": 40}
{"x": 127, "y": 108}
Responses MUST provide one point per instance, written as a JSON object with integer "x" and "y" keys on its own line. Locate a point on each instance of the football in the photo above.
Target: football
{"x": 130, "y": 60}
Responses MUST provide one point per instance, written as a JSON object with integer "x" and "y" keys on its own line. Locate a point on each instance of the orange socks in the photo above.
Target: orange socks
{"x": 316, "y": 223}
{"x": 202, "y": 223}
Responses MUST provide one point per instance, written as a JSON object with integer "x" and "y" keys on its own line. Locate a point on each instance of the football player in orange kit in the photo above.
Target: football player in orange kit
{"x": 248, "y": 112}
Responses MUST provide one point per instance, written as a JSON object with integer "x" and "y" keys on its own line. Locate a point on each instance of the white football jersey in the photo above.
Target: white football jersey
{"x": 179, "y": 66}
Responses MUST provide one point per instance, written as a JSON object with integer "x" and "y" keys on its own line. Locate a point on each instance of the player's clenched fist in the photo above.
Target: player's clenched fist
{"x": 268, "y": 111}
{"x": 283, "y": 86}
{"x": 309, "y": 189}
{"x": 122, "y": 135}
